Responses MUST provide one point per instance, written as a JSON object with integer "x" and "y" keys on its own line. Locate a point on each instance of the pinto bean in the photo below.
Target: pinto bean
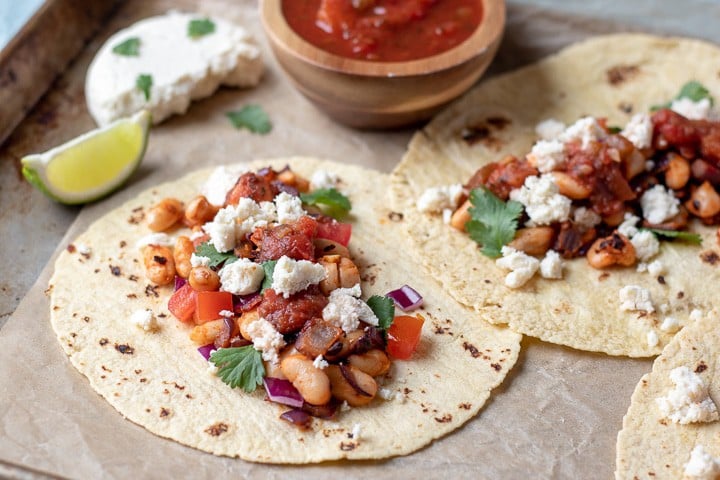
{"x": 533, "y": 240}
{"x": 343, "y": 390}
{"x": 373, "y": 362}
{"x": 199, "y": 211}
{"x": 246, "y": 319}
{"x": 312, "y": 383}
{"x": 203, "y": 279}
{"x": 164, "y": 214}
{"x": 615, "y": 249}
{"x": 288, "y": 177}
{"x": 678, "y": 172}
{"x": 340, "y": 272}
{"x": 159, "y": 264}
{"x": 704, "y": 201}
{"x": 323, "y": 247}
{"x": 207, "y": 332}
{"x": 343, "y": 346}
{"x": 461, "y": 216}
{"x": 570, "y": 186}
{"x": 182, "y": 252}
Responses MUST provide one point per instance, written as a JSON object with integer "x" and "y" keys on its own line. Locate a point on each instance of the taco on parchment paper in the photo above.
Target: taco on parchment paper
{"x": 583, "y": 98}
{"x": 671, "y": 429}
{"x": 116, "y": 327}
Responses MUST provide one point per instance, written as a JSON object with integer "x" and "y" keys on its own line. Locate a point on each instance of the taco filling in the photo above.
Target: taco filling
{"x": 267, "y": 284}
{"x": 591, "y": 189}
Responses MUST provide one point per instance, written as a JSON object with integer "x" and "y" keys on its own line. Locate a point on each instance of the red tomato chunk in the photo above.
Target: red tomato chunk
{"x": 208, "y": 305}
{"x": 294, "y": 240}
{"x": 404, "y": 336}
{"x": 288, "y": 315}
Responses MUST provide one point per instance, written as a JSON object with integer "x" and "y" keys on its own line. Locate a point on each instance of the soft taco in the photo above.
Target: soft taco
{"x": 570, "y": 170}
{"x": 671, "y": 428}
{"x": 144, "y": 346}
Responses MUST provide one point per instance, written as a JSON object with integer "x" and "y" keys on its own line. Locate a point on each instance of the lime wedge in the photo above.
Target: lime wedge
{"x": 91, "y": 165}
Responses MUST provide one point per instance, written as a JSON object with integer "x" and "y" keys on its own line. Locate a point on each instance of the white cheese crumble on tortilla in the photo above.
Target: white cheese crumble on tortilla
{"x": 222, "y": 229}
{"x": 656, "y": 268}
{"x": 646, "y": 245}
{"x": 145, "y": 320}
{"x": 522, "y": 266}
{"x": 688, "y": 108}
{"x": 702, "y": 465}
{"x": 670, "y": 325}
{"x": 220, "y": 182}
{"x": 323, "y": 179}
{"x": 241, "y": 277}
{"x": 159, "y": 239}
{"x": 289, "y": 207}
{"x": 639, "y": 130}
{"x": 584, "y": 130}
{"x": 635, "y": 298}
{"x": 265, "y": 339}
{"x": 199, "y": 261}
{"x": 585, "y": 217}
{"x": 437, "y": 199}
{"x": 628, "y": 226}
{"x": 549, "y": 129}
{"x": 547, "y": 155}
{"x": 659, "y": 204}
{"x": 543, "y": 204}
{"x": 551, "y": 266}
{"x": 291, "y": 276}
{"x": 696, "y": 314}
{"x": 320, "y": 363}
{"x": 652, "y": 339}
{"x": 355, "y": 433}
{"x": 345, "y": 309}
{"x": 689, "y": 401}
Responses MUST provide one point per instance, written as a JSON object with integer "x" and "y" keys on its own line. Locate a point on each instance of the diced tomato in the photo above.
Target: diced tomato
{"x": 336, "y": 231}
{"x": 182, "y": 303}
{"x": 208, "y": 305}
{"x": 403, "y": 336}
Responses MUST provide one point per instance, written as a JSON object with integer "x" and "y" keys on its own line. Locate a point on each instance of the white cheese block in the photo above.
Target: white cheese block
{"x": 182, "y": 68}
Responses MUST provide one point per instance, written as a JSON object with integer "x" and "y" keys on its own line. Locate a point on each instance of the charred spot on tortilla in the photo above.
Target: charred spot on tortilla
{"x": 217, "y": 429}
{"x": 104, "y": 341}
{"x": 625, "y": 107}
{"x": 71, "y": 248}
{"x": 115, "y": 270}
{"x": 164, "y": 412}
{"x": 472, "y": 349}
{"x": 701, "y": 367}
{"x": 124, "y": 348}
{"x": 709, "y": 257}
{"x": 151, "y": 291}
{"x": 621, "y": 73}
{"x": 482, "y": 132}
{"x": 661, "y": 279}
{"x": 133, "y": 278}
{"x": 396, "y": 216}
{"x": 465, "y": 406}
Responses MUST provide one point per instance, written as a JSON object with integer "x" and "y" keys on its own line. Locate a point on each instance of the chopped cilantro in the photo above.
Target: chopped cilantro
{"x": 199, "y": 28}
{"x": 384, "y": 310}
{"x": 252, "y": 117}
{"x": 239, "y": 367}
{"x": 144, "y": 83}
{"x": 614, "y": 129}
{"x": 493, "y": 222}
{"x": 689, "y": 237}
{"x": 335, "y": 203}
{"x": 269, "y": 267}
{"x": 128, "y": 48}
{"x": 692, "y": 90}
{"x": 208, "y": 250}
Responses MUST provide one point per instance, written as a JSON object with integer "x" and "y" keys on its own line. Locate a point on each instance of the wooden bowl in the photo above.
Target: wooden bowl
{"x": 369, "y": 94}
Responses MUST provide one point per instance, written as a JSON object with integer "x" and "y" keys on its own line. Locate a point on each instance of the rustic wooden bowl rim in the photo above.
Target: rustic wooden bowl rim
{"x": 284, "y": 37}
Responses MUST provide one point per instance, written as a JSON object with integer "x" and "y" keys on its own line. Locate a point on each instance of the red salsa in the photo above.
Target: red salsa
{"x": 383, "y": 30}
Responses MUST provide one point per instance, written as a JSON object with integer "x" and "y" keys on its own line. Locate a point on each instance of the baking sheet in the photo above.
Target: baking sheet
{"x": 557, "y": 414}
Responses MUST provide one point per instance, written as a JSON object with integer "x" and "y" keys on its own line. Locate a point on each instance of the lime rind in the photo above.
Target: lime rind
{"x": 34, "y": 167}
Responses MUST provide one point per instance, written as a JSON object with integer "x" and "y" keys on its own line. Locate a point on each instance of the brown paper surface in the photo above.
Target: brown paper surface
{"x": 557, "y": 414}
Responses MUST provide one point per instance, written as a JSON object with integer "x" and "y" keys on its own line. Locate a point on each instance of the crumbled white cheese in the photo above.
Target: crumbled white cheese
{"x": 344, "y": 407}
{"x": 585, "y": 130}
{"x": 543, "y": 204}
{"x": 385, "y": 394}
{"x": 289, "y": 207}
{"x": 642, "y": 267}
{"x": 265, "y": 339}
{"x": 220, "y": 182}
{"x": 656, "y": 268}
{"x": 549, "y": 129}
{"x": 222, "y": 229}
{"x": 664, "y": 308}
{"x": 323, "y": 179}
{"x": 320, "y": 362}
{"x": 212, "y": 369}
{"x": 695, "y": 315}
{"x": 447, "y": 216}
{"x": 248, "y": 215}
{"x": 522, "y": 267}
{"x": 241, "y": 277}
{"x": 159, "y": 239}
{"x": 356, "y": 432}
{"x": 702, "y": 465}
{"x": 291, "y": 276}
{"x": 670, "y": 325}
{"x": 689, "y": 401}
{"x": 633, "y": 297}
{"x": 628, "y": 226}
{"x": 144, "y": 319}
{"x": 639, "y": 130}
{"x": 268, "y": 214}
{"x": 551, "y": 266}
{"x": 83, "y": 249}
{"x": 182, "y": 68}
{"x": 345, "y": 309}
{"x": 646, "y": 245}
{"x": 585, "y": 217}
{"x": 659, "y": 204}
{"x": 197, "y": 234}
{"x": 693, "y": 110}
{"x": 226, "y": 314}
{"x": 652, "y": 339}
{"x": 547, "y": 155}
{"x": 437, "y": 199}
{"x": 199, "y": 261}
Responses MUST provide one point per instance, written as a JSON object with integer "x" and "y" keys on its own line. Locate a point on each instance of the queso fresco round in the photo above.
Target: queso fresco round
{"x": 383, "y": 30}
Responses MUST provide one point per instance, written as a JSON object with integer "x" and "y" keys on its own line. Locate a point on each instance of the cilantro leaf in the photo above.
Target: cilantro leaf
{"x": 239, "y": 367}
{"x": 336, "y": 204}
{"x": 692, "y": 90}
{"x": 689, "y": 237}
{"x": 252, "y": 117}
{"x": 208, "y": 250}
{"x": 201, "y": 27}
{"x": 128, "y": 48}
{"x": 269, "y": 267}
{"x": 143, "y": 83}
{"x": 384, "y": 310}
{"x": 493, "y": 222}
{"x": 614, "y": 129}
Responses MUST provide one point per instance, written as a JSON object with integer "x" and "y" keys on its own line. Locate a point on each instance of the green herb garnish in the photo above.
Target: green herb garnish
{"x": 252, "y": 117}
{"x": 384, "y": 310}
{"x": 239, "y": 367}
{"x": 208, "y": 250}
{"x": 493, "y": 222}
{"x": 614, "y": 129}
{"x": 335, "y": 203}
{"x": 692, "y": 90}
{"x": 144, "y": 83}
{"x": 269, "y": 268}
{"x": 199, "y": 28}
{"x": 689, "y": 237}
{"x": 128, "y": 48}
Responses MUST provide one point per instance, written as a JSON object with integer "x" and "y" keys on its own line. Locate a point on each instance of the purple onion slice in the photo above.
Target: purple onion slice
{"x": 406, "y": 298}
{"x": 179, "y": 282}
{"x": 282, "y": 391}
{"x": 206, "y": 350}
{"x": 297, "y": 417}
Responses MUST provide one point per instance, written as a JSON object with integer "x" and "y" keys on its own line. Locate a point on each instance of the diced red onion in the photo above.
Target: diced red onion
{"x": 205, "y": 350}
{"x": 296, "y": 417}
{"x": 282, "y": 391}
{"x": 241, "y": 301}
{"x": 179, "y": 282}
{"x": 406, "y": 298}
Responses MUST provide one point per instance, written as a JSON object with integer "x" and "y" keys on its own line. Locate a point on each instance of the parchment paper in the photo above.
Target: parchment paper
{"x": 556, "y": 416}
